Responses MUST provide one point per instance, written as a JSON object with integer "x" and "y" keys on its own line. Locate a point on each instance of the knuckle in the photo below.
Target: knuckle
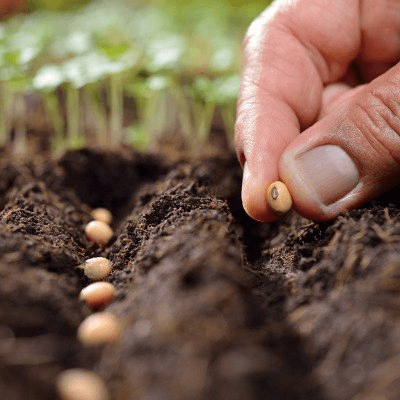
{"x": 379, "y": 119}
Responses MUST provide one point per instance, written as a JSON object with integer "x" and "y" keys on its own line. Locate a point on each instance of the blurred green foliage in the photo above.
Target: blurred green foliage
{"x": 55, "y": 5}
{"x": 191, "y": 48}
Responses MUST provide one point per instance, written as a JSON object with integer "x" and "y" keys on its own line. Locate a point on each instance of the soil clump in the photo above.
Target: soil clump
{"x": 213, "y": 304}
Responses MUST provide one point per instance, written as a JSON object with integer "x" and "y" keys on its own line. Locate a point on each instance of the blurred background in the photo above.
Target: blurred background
{"x": 110, "y": 72}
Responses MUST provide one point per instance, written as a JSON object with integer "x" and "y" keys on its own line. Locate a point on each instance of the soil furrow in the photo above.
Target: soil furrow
{"x": 213, "y": 305}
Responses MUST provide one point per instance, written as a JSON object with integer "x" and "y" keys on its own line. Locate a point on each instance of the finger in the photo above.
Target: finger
{"x": 289, "y": 56}
{"x": 334, "y": 95}
{"x": 351, "y": 155}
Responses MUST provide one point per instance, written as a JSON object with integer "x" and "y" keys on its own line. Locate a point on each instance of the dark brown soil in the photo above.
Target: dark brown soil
{"x": 213, "y": 304}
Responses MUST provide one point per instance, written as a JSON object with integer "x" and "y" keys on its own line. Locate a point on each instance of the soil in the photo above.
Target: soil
{"x": 213, "y": 304}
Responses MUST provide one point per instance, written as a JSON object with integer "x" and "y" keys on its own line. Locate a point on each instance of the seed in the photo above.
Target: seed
{"x": 99, "y": 328}
{"x": 98, "y": 294}
{"x": 102, "y": 214}
{"x": 97, "y": 268}
{"x": 81, "y": 384}
{"x": 98, "y": 232}
{"x": 279, "y": 198}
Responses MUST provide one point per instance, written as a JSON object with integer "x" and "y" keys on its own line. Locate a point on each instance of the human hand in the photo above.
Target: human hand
{"x": 330, "y": 70}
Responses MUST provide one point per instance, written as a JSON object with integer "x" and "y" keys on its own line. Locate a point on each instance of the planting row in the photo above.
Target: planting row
{"x": 99, "y": 328}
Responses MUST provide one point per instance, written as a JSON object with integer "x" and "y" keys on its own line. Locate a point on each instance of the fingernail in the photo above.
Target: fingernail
{"x": 328, "y": 171}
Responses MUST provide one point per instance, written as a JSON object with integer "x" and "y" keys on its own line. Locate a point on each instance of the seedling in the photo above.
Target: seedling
{"x": 99, "y": 328}
{"x": 98, "y": 294}
{"x": 97, "y": 268}
{"x": 81, "y": 384}
{"x": 102, "y": 214}
{"x": 98, "y": 232}
{"x": 81, "y": 64}
{"x": 279, "y": 198}
{"x": 74, "y": 138}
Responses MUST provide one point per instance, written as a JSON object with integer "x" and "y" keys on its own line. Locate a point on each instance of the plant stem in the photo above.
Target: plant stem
{"x": 158, "y": 116}
{"x": 20, "y": 145}
{"x": 228, "y": 114}
{"x": 205, "y": 127}
{"x": 97, "y": 115}
{"x": 3, "y": 114}
{"x": 184, "y": 115}
{"x": 171, "y": 116}
{"x": 52, "y": 110}
{"x": 153, "y": 114}
{"x": 73, "y": 138}
{"x": 117, "y": 109}
{"x": 204, "y": 114}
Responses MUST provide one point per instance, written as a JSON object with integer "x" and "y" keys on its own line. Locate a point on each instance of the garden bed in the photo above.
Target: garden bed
{"x": 213, "y": 305}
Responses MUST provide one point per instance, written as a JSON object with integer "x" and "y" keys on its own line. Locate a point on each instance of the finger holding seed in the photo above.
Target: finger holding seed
{"x": 81, "y": 384}
{"x": 98, "y": 294}
{"x": 98, "y": 232}
{"x": 99, "y": 328}
{"x": 279, "y": 198}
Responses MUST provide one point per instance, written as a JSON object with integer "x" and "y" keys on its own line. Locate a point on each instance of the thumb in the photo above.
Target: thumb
{"x": 351, "y": 155}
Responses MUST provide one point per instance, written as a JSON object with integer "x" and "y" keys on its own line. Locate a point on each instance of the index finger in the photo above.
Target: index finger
{"x": 291, "y": 52}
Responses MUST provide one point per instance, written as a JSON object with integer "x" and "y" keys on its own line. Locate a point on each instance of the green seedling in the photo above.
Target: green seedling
{"x": 156, "y": 112}
{"x": 186, "y": 56}
{"x": 96, "y": 115}
{"x": 74, "y": 138}
{"x": 4, "y": 120}
{"x": 52, "y": 109}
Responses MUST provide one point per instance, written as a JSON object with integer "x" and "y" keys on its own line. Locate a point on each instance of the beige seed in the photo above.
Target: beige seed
{"x": 98, "y": 294}
{"x": 81, "y": 384}
{"x": 97, "y": 268}
{"x": 102, "y": 214}
{"x": 98, "y": 232}
{"x": 99, "y": 328}
{"x": 279, "y": 198}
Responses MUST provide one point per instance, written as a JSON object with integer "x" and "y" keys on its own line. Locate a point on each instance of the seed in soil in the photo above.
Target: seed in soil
{"x": 98, "y": 232}
{"x": 97, "y": 268}
{"x": 279, "y": 198}
{"x": 99, "y": 328}
{"x": 102, "y": 214}
{"x": 98, "y": 294}
{"x": 81, "y": 384}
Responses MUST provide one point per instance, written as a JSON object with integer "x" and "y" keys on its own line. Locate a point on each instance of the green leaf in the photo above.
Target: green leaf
{"x": 114, "y": 51}
{"x": 48, "y": 78}
{"x": 157, "y": 82}
{"x": 165, "y": 52}
{"x": 225, "y": 89}
{"x": 12, "y": 57}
